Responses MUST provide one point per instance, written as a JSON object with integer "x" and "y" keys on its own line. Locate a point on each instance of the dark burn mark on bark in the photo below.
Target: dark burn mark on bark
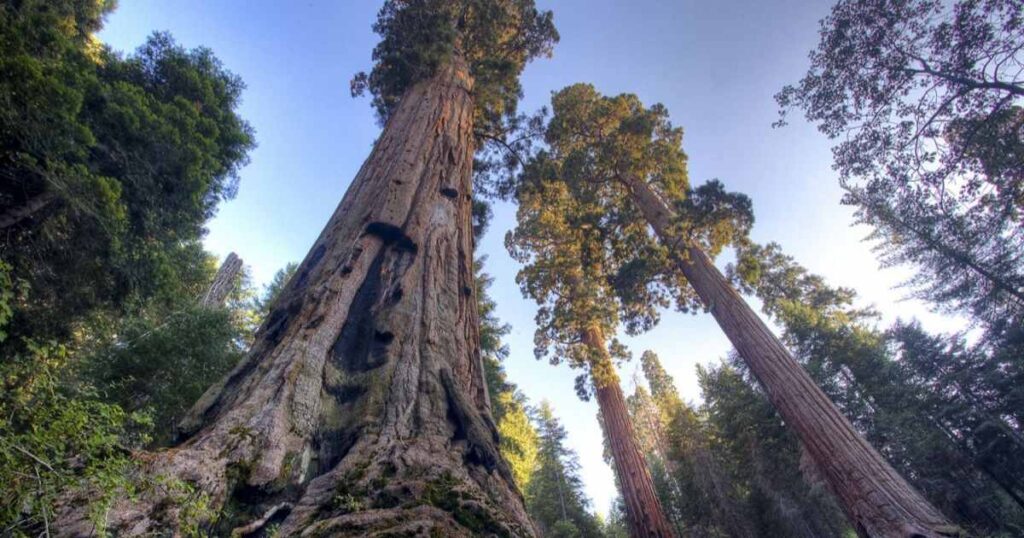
{"x": 346, "y": 269}
{"x": 449, "y": 192}
{"x": 383, "y": 337}
{"x": 362, "y": 346}
{"x": 252, "y": 509}
{"x": 280, "y": 319}
{"x": 344, "y": 394}
{"x": 391, "y": 235}
{"x": 332, "y": 445}
{"x": 314, "y": 259}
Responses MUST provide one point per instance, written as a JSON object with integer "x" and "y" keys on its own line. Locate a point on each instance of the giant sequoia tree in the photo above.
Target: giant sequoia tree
{"x": 361, "y": 407}
{"x": 571, "y": 266}
{"x": 623, "y": 157}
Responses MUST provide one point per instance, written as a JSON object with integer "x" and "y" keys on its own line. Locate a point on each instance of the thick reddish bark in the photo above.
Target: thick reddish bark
{"x": 361, "y": 409}
{"x": 644, "y": 512}
{"x": 223, "y": 281}
{"x": 876, "y": 499}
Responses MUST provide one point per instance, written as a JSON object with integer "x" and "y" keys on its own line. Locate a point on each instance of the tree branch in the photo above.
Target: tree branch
{"x": 970, "y": 84}
{"x": 504, "y": 145}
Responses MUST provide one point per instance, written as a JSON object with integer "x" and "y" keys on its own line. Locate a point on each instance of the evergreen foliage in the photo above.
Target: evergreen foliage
{"x": 555, "y": 497}
{"x": 532, "y": 440}
{"x": 495, "y": 38}
{"x": 508, "y": 405}
{"x": 573, "y": 193}
{"x": 264, "y": 304}
{"x": 109, "y": 167}
{"x": 163, "y": 358}
{"x": 53, "y": 439}
{"x": 590, "y": 260}
{"x": 110, "y": 164}
{"x": 729, "y": 468}
{"x": 933, "y": 405}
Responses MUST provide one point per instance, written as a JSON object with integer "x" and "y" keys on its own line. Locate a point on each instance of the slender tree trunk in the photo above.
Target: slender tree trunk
{"x": 361, "y": 409}
{"x": 876, "y": 499}
{"x": 643, "y": 509}
{"x": 661, "y": 450}
{"x": 223, "y": 282}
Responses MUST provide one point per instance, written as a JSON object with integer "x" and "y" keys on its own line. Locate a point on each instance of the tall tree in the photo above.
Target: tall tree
{"x": 555, "y": 495}
{"x": 908, "y": 391}
{"x": 923, "y": 98}
{"x": 110, "y": 164}
{"x": 361, "y": 407}
{"x": 699, "y": 489}
{"x": 569, "y": 271}
{"x": 627, "y": 158}
{"x": 651, "y": 435}
{"x": 519, "y": 443}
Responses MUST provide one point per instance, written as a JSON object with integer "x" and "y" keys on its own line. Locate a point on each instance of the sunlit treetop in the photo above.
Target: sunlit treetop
{"x": 590, "y": 258}
{"x": 496, "y": 38}
{"x": 604, "y": 140}
{"x": 570, "y": 264}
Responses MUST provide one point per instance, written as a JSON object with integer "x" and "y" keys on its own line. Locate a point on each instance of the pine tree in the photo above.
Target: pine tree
{"x": 626, "y": 160}
{"x": 704, "y": 497}
{"x": 650, "y": 429}
{"x": 555, "y": 495}
{"x": 361, "y": 407}
{"x": 518, "y": 436}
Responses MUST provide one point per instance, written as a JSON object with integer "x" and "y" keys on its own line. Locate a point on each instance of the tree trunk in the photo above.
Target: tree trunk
{"x": 643, "y": 509}
{"x": 876, "y": 499}
{"x": 361, "y": 409}
{"x": 223, "y": 282}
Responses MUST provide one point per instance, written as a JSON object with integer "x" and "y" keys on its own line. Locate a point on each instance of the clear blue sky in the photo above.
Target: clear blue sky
{"x": 715, "y": 65}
